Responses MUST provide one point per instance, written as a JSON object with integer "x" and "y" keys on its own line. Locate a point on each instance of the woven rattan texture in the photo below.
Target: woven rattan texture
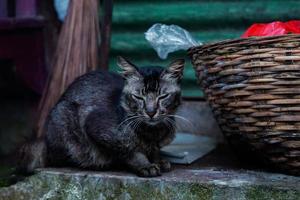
{"x": 253, "y": 87}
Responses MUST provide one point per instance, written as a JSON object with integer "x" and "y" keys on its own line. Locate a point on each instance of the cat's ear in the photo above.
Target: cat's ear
{"x": 128, "y": 69}
{"x": 174, "y": 72}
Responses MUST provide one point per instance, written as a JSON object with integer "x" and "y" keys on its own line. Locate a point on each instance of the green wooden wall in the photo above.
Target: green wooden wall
{"x": 207, "y": 20}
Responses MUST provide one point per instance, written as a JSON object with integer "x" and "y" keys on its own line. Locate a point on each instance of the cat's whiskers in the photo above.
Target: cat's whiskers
{"x": 126, "y": 120}
{"x": 137, "y": 124}
{"x": 171, "y": 124}
{"x": 128, "y": 125}
{"x": 184, "y": 119}
{"x": 134, "y": 123}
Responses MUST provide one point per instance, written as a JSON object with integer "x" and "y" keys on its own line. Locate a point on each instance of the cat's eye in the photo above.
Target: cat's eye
{"x": 137, "y": 97}
{"x": 163, "y": 96}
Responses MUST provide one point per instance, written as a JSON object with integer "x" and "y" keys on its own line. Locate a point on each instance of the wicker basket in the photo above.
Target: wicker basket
{"x": 253, "y": 86}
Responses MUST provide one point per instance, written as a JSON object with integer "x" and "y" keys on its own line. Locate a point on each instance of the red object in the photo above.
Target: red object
{"x": 293, "y": 26}
{"x": 272, "y": 29}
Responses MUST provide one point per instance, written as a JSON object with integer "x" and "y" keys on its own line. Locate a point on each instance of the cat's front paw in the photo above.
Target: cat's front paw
{"x": 164, "y": 165}
{"x": 151, "y": 170}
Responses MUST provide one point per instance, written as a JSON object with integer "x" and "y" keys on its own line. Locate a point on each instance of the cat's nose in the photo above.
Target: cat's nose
{"x": 151, "y": 108}
{"x": 151, "y": 113}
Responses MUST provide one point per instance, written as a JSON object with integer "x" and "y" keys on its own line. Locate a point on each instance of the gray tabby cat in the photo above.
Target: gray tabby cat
{"x": 105, "y": 120}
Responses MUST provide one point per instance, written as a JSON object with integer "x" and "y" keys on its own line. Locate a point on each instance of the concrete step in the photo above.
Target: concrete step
{"x": 179, "y": 184}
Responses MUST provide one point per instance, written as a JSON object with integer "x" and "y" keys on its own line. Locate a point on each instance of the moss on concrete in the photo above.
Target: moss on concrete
{"x": 189, "y": 184}
{"x": 6, "y": 178}
{"x": 267, "y": 193}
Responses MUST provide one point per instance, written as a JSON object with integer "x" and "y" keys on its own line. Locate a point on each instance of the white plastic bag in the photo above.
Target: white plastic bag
{"x": 169, "y": 38}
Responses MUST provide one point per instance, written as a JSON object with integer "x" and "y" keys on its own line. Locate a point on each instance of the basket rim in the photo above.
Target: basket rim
{"x": 245, "y": 41}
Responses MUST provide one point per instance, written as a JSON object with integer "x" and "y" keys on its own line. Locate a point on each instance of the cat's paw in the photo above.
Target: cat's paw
{"x": 164, "y": 165}
{"x": 151, "y": 170}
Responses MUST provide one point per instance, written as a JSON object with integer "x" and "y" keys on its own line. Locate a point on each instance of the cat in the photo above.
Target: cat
{"x": 105, "y": 119}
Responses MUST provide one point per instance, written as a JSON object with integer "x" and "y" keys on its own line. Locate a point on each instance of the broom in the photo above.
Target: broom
{"x": 76, "y": 54}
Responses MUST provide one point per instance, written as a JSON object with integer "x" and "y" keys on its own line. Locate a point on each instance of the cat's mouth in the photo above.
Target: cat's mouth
{"x": 153, "y": 121}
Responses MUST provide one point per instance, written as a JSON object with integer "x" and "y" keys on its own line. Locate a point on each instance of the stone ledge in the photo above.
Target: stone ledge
{"x": 178, "y": 184}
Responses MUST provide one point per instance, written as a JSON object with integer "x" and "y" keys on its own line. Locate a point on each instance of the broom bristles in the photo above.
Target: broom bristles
{"x": 76, "y": 54}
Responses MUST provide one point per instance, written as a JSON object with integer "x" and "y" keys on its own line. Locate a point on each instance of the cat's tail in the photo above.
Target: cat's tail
{"x": 32, "y": 155}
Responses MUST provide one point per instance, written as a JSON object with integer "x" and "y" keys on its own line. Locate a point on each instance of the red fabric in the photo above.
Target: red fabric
{"x": 272, "y": 29}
